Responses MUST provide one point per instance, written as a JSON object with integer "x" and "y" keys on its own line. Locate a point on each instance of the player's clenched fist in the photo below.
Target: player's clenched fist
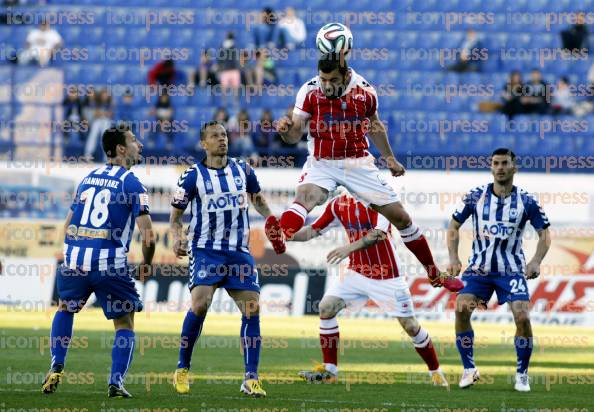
{"x": 532, "y": 270}
{"x": 283, "y": 125}
{"x": 454, "y": 267}
{"x": 395, "y": 167}
{"x": 180, "y": 248}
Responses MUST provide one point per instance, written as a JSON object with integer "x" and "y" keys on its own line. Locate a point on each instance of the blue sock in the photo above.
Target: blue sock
{"x": 190, "y": 333}
{"x": 121, "y": 355}
{"x": 523, "y": 351}
{"x": 60, "y": 336}
{"x": 251, "y": 342}
{"x": 465, "y": 345}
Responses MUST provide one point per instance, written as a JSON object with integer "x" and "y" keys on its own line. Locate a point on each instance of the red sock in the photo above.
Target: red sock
{"x": 424, "y": 347}
{"x": 417, "y": 244}
{"x": 293, "y": 219}
{"x": 329, "y": 340}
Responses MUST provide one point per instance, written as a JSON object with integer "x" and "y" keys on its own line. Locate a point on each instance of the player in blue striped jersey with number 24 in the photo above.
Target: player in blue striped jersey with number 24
{"x": 499, "y": 212}
{"x": 217, "y": 191}
{"x": 99, "y": 226}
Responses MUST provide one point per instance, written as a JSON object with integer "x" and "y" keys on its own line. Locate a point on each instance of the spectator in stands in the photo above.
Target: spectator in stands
{"x": 229, "y": 74}
{"x": 576, "y": 37}
{"x": 264, "y": 72}
{"x": 246, "y": 68}
{"x": 291, "y": 30}
{"x": 163, "y": 112}
{"x": 563, "y": 99}
{"x": 222, "y": 116}
{"x": 206, "y": 73}
{"x": 89, "y": 106}
{"x": 469, "y": 59}
{"x": 125, "y": 112}
{"x": 41, "y": 45}
{"x": 264, "y": 134}
{"x": 536, "y": 96}
{"x": 240, "y": 135}
{"x": 73, "y": 115}
{"x": 101, "y": 122}
{"x": 265, "y": 34}
{"x": 166, "y": 74}
{"x": 511, "y": 95}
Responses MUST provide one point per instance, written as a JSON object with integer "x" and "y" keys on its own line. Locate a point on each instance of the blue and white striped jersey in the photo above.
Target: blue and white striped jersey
{"x": 218, "y": 201}
{"x": 498, "y": 225}
{"x": 107, "y": 203}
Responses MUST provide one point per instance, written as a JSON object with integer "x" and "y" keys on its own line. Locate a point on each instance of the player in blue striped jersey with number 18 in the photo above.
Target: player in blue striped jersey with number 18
{"x": 98, "y": 230}
{"x": 499, "y": 212}
{"x": 217, "y": 191}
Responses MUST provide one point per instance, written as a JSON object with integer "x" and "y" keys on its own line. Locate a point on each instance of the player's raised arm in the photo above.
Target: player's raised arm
{"x": 291, "y": 129}
{"x": 378, "y": 135}
{"x": 305, "y": 233}
{"x": 370, "y": 239}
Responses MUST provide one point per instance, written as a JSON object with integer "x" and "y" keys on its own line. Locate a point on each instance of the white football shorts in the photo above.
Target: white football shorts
{"x": 392, "y": 296}
{"x": 360, "y": 176}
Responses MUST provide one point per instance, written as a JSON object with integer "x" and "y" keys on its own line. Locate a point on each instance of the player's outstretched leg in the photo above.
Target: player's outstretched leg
{"x": 424, "y": 347}
{"x": 60, "y": 337}
{"x": 191, "y": 329}
{"x": 327, "y": 372}
{"x": 416, "y": 242}
{"x": 121, "y": 355}
{"x": 465, "y": 304}
{"x": 307, "y": 197}
{"x": 523, "y": 342}
{"x": 251, "y": 340}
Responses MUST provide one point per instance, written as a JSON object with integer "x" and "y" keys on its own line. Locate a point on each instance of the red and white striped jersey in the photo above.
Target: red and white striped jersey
{"x": 378, "y": 261}
{"x": 337, "y": 128}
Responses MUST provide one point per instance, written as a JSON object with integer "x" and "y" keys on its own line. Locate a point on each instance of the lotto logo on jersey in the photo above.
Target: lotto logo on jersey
{"x": 225, "y": 201}
{"x": 498, "y": 230}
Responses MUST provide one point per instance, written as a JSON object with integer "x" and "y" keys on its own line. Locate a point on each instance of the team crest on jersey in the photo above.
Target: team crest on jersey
{"x": 208, "y": 185}
{"x": 238, "y": 182}
{"x": 359, "y": 97}
{"x": 513, "y": 213}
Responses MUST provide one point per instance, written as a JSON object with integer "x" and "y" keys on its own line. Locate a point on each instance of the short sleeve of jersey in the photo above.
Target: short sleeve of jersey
{"x": 326, "y": 219}
{"x": 251, "y": 185}
{"x": 186, "y": 189}
{"x": 303, "y": 106}
{"x": 382, "y": 223}
{"x": 536, "y": 215}
{"x": 137, "y": 195}
{"x": 372, "y": 108}
{"x": 76, "y": 199}
{"x": 465, "y": 208}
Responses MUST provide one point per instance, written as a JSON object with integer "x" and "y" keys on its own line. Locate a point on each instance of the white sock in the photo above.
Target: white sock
{"x": 410, "y": 233}
{"x": 421, "y": 339}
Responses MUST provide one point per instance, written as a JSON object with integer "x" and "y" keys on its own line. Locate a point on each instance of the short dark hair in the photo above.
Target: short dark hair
{"x": 332, "y": 61}
{"x": 206, "y": 126}
{"x": 505, "y": 152}
{"x": 114, "y": 136}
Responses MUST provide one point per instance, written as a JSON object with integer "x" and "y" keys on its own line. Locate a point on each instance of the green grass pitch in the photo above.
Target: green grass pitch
{"x": 380, "y": 371}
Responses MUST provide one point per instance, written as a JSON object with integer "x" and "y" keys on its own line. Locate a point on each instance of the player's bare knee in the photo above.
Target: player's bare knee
{"x": 522, "y": 319}
{"x": 410, "y": 325}
{"x": 199, "y": 307}
{"x": 328, "y": 309}
{"x": 250, "y": 308}
{"x": 465, "y": 306}
{"x": 124, "y": 322}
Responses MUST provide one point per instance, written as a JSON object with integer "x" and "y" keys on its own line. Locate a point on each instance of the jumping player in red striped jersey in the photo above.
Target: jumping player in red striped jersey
{"x": 373, "y": 273}
{"x": 339, "y": 109}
